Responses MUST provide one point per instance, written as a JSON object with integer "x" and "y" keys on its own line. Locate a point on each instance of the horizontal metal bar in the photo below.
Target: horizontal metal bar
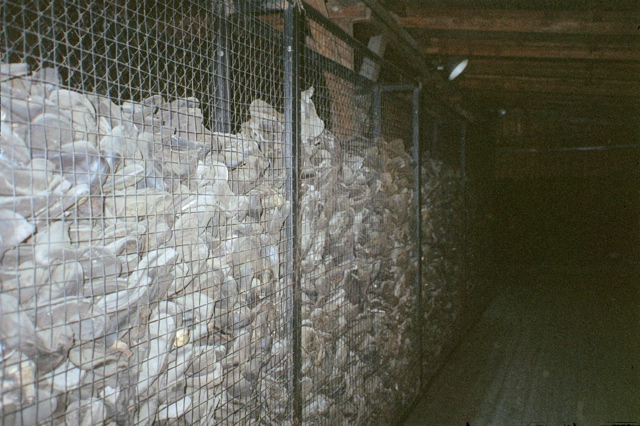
{"x": 409, "y": 47}
{"x": 328, "y": 64}
{"x": 335, "y": 30}
{"x": 326, "y": 23}
{"x": 382, "y": 13}
{"x": 568, "y": 149}
{"x": 311, "y": 13}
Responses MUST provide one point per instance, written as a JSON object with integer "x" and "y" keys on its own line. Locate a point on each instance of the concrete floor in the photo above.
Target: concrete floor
{"x": 558, "y": 346}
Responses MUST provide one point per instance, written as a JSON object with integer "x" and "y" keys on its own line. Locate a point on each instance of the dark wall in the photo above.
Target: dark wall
{"x": 566, "y": 221}
{"x": 566, "y": 190}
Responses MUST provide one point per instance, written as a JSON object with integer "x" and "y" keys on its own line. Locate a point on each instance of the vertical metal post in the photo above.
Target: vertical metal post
{"x": 222, "y": 90}
{"x": 377, "y": 111}
{"x": 463, "y": 151}
{"x": 418, "y": 200}
{"x": 465, "y": 217}
{"x": 292, "y": 34}
{"x": 434, "y": 140}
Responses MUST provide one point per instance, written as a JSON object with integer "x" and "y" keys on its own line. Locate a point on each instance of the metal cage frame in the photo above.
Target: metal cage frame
{"x": 295, "y": 57}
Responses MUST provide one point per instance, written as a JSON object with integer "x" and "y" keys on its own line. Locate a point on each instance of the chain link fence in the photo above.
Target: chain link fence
{"x": 209, "y": 215}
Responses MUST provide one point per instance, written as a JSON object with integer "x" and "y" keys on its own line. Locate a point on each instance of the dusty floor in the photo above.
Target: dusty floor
{"x": 558, "y": 346}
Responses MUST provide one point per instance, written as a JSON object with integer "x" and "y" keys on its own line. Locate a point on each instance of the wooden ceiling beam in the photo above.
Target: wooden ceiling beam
{"x": 587, "y": 87}
{"x": 558, "y": 99}
{"x": 534, "y": 21}
{"x": 512, "y": 49}
{"x": 584, "y": 104}
{"x": 572, "y": 113}
{"x": 607, "y": 39}
{"x": 573, "y": 69}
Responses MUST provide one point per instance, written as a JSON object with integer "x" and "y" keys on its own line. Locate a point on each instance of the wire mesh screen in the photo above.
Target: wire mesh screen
{"x": 358, "y": 296}
{"x": 397, "y": 115}
{"x": 443, "y": 239}
{"x": 143, "y": 213}
{"x": 148, "y": 251}
{"x": 398, "y": 201}
{"x": 447, "y": 146}
{"x": 443, "y": 274}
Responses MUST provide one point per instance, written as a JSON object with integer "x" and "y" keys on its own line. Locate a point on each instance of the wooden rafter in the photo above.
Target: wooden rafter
{"x": 604, "y": 88}
{"x": 517, "y": 49}
{"x": 558, "y": 22}
{"x": 555, "y": 68}
{"x": 553, "y": 103}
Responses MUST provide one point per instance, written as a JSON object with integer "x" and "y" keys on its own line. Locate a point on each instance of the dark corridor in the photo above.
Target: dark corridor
{"x": 559, "y": 345}
{"x": 566, "y": 222}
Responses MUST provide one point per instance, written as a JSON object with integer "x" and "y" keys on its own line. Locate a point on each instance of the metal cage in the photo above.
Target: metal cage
{"x": 211, "y": 213}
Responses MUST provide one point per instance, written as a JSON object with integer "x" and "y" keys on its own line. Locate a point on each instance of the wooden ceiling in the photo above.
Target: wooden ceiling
{"x": 578, "y": 58}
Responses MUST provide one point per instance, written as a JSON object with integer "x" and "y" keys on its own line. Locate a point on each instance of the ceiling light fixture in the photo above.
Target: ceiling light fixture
{"x": 453, "y": 66}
